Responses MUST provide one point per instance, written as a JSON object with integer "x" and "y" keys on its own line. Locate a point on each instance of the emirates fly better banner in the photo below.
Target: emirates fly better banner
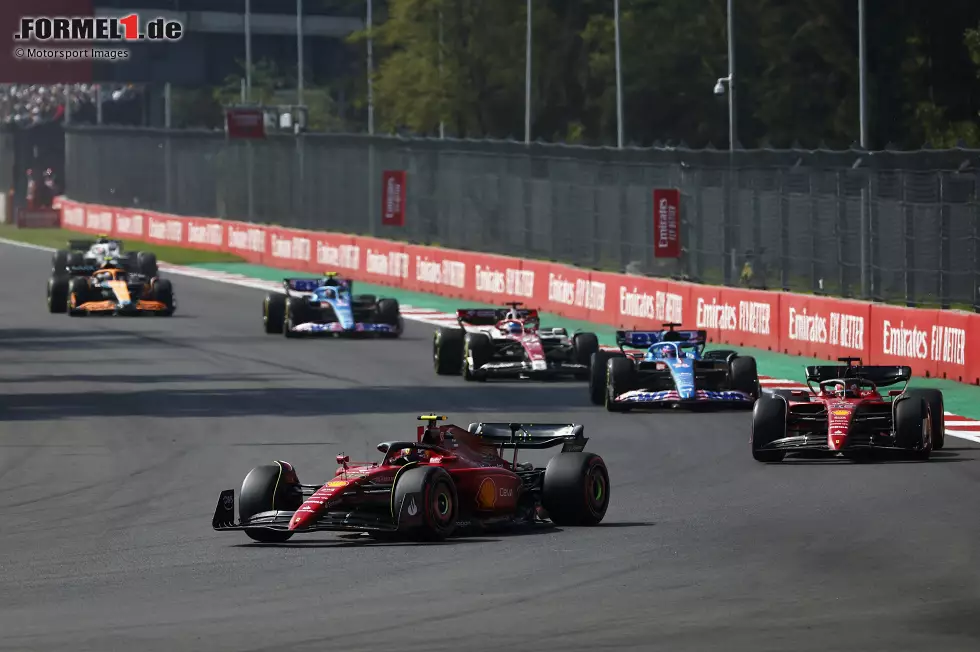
{"x": 667, "y": 223}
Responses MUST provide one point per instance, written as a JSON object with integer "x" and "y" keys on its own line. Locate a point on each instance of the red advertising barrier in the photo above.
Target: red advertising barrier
{"x": 44, "y": 218}
{"x": 932, "y": 342}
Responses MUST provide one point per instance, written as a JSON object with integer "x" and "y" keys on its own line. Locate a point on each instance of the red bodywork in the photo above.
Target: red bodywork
{"x": 486, "y": 484}
{"x": 833, "y": 413}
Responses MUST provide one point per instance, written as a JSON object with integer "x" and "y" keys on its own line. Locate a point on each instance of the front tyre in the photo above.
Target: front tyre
{"x": 576, "y": 489}
{"x": 477, "y": 351}
{"x": 447, "y": 351}
{"x": 768, "y": 425}
{"x": 269, "y": 487}
{"x": 937, "y": 413}
{"x": 58, "y": 294}
{"x": 437, "y": 501}
{"x": 273, "y": 313}
{"x": 619, "y": 380}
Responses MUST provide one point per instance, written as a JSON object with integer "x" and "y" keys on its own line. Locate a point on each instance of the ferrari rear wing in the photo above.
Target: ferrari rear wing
{"x": 880, "y": 375}
{"x": 570, "y": 436}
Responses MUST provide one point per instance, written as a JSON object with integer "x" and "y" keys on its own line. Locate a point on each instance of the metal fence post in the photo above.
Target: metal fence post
{"x": 784, "y": 253}
{"x": 909, "y": 274}
{"x": 840, "y": 233}
{"x": 945, "y": 266}
{"x": 874, "y": 257}
{"x": 698, "y": 252}
{"x": 816, "y": 283}
{"x": 976, "y": 242}
{"x": 728, "y": 262}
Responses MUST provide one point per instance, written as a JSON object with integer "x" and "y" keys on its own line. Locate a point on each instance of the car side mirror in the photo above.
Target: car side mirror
{"x": 343, "y": 459}
{"x": 895, "y": 392}
{"x": 382, "y": 447}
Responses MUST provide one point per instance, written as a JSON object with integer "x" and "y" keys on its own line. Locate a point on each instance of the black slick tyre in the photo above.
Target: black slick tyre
{"x": 447, "y": 351}
{"x": 439, "y": 502}
{"x": 768, "y": 425}
{"x": 910, "y": 426}
{"x": 146, "y": 263}
{"x": 294, "y": 310}
{"x": 584, "y": 346}
{"x": 597, "y": 377}
{"x": 77, "y": 295}
{"x": 163, "y": 290}
{"x": 477, "y": 351}
{"x": 937, "y": 414}
{"x": 58, "y": 294}
{"x": 744, "y": 376}
{"x": 619, "y": 379}
{"x": 59, "y": 262}
{"x": 576, "y": 489}
{"x": 265, "y": 489}
{"x": 273, "y": 313}
{"x": 387, "y": 311}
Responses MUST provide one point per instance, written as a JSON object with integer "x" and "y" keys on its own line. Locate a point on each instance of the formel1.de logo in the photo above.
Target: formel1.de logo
{"x": 104, "y": 29}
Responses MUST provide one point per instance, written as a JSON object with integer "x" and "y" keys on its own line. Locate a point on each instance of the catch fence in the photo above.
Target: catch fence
{"x": 888, "y": 226}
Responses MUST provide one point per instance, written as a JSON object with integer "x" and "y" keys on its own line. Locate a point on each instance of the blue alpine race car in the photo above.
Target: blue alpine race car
{"x": 674, "y": 370}
{"x": 327, "y": 306}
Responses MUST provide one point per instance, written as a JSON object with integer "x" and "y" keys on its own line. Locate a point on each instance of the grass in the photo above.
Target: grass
{"x": 58, "y": 238}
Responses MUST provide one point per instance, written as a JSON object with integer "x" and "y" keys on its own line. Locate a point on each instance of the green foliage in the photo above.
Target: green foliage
{"x": 796, "y": 74}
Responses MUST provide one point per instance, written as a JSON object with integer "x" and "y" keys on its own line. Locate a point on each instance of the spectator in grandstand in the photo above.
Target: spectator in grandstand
{"x": 26, "y": 105}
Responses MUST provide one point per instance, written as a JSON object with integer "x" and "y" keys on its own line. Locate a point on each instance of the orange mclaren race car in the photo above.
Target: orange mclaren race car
{"x": 111, "y": 291}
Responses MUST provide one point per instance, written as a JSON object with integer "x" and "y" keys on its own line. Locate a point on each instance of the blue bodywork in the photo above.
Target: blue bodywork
{"x": 335, "y": 293}
{"x": 679, "y": 351}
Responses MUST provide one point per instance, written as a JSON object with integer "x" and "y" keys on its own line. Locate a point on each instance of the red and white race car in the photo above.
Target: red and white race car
{"x": 510, "y": 343}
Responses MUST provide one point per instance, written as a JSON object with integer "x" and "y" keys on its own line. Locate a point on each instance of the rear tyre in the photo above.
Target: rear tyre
{"x": 619, "y": 379}
{"x": 389, "y": 312}
{"x": 146, "y": 263}
{"x": 439, "y": 502}
{"x": 768, "y": 425}
{"x": 163, "y": 289}
{"x": 584, "y": 346}
{"x": 59, "y": 262}
{"x": 911, "y": 427}
{"x": 273, "y": 313}
{"x": 58, "y": 294}
{"x": 447, "y": 351}
{"x": 477, "y": 351}
{"x": 937, "y": 412}
{"x": 576, "y": 489}
{"x": 745, "y": 376}
{"x": 263, "y": 490}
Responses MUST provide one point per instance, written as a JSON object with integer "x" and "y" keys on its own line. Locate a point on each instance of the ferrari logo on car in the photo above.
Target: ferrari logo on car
{"x": 486, "y": 495}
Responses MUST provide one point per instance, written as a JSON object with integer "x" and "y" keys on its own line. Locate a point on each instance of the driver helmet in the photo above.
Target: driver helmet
{"x": 513, "y": 327}
{"x": 668, "y": 352}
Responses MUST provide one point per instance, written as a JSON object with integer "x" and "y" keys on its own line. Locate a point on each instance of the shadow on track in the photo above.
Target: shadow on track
{"x": 279, "y": 401}
{"x": 356, "y": 540}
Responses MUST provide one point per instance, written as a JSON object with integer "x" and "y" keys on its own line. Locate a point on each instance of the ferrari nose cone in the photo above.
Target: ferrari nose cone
{"x": 303, "y": 517}
{"x": 836, "y": 441}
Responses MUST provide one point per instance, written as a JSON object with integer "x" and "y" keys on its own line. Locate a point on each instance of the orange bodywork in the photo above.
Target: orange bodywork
{"x": 111, "y": 277}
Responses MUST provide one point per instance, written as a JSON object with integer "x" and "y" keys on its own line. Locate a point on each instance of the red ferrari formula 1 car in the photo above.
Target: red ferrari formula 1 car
{"x": 448, "y": 481}
{"x": 510, "y": 343}
{"x": 845, "y": 415}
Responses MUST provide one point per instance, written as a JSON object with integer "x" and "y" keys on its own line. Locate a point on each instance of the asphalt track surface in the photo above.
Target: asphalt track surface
{"x": 117, "y": 435}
